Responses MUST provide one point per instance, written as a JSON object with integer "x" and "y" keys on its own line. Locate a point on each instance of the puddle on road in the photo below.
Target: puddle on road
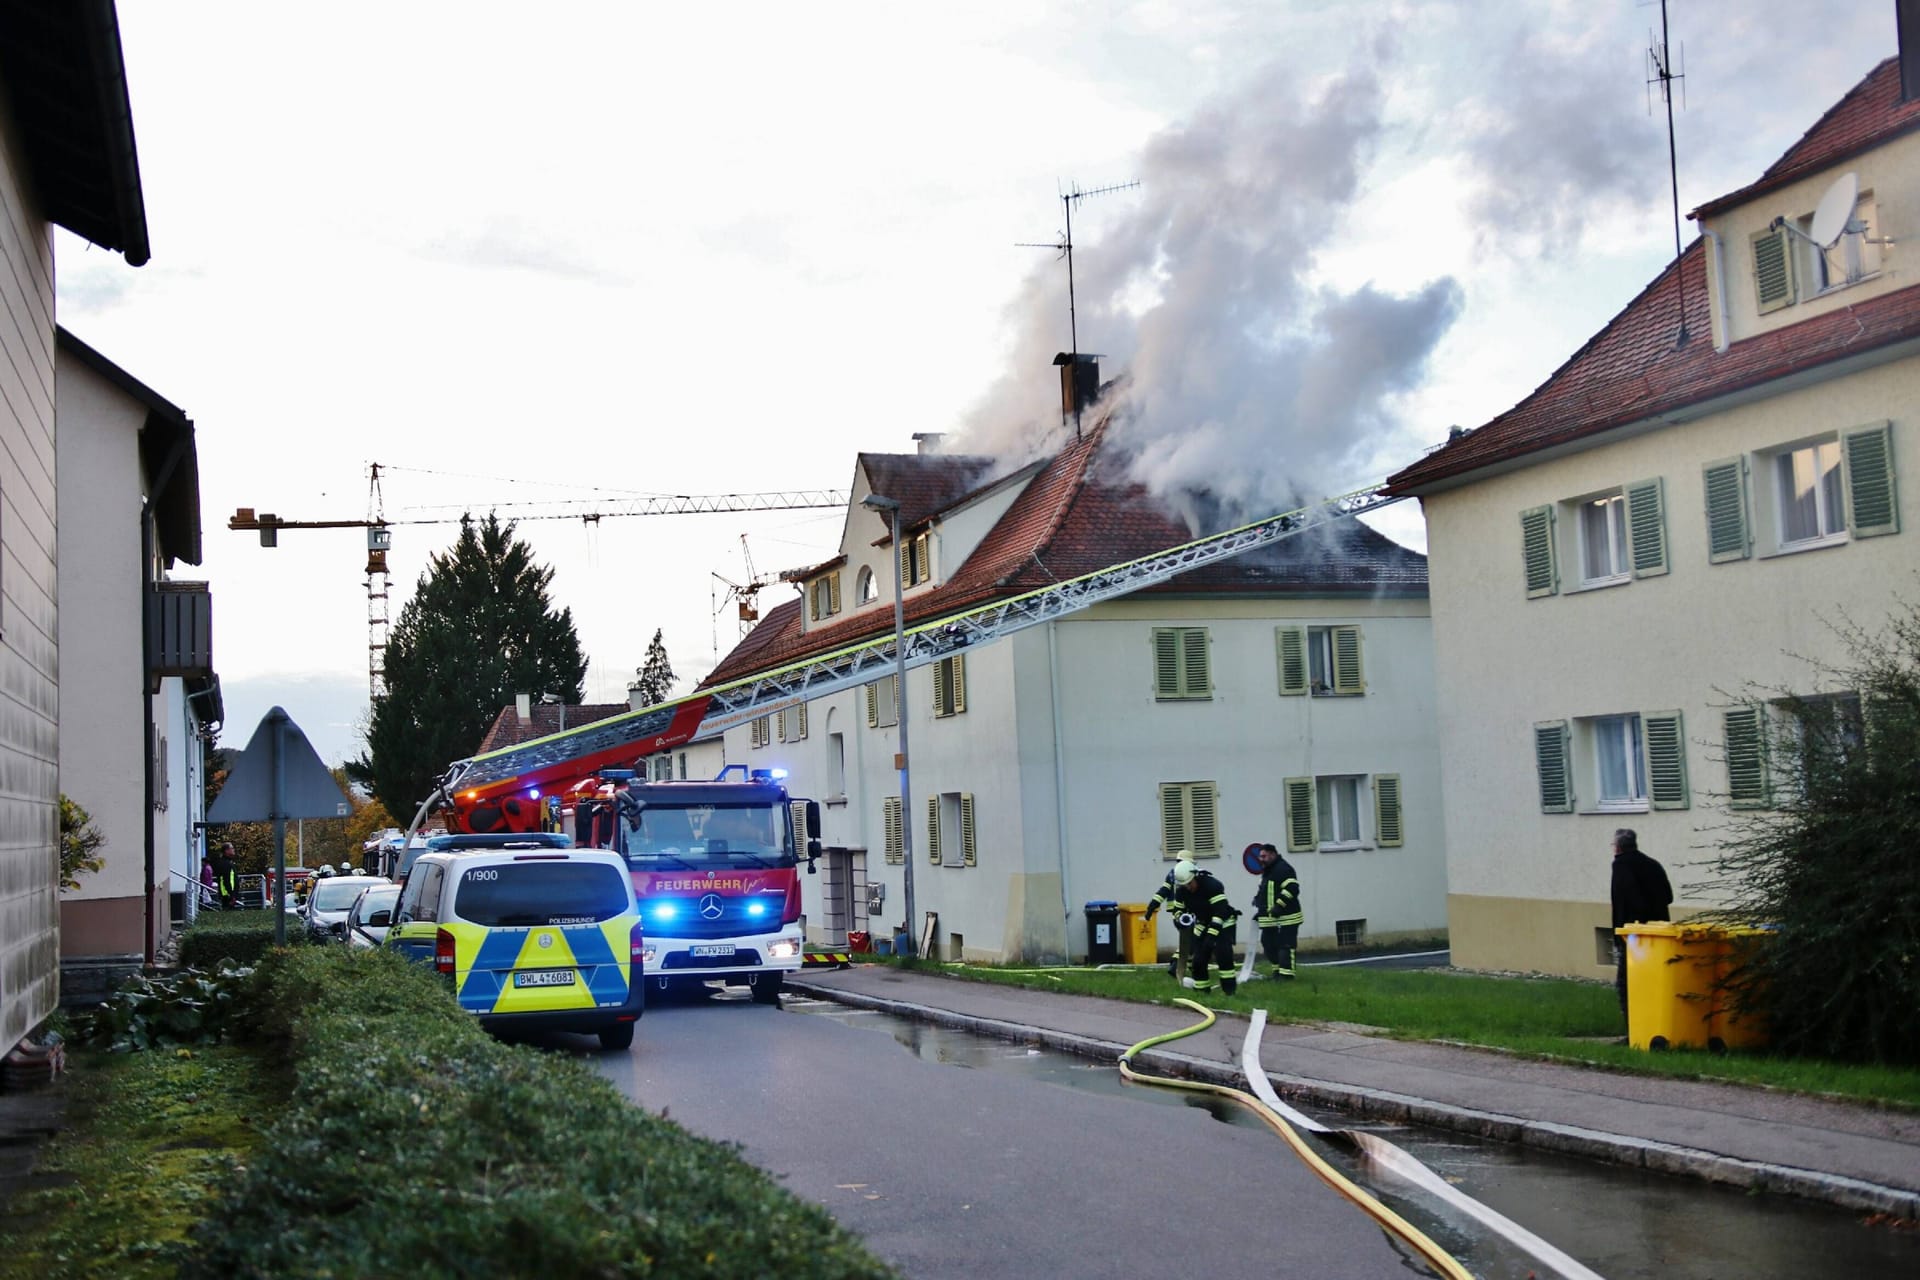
{"x": 1626, "y": 1224}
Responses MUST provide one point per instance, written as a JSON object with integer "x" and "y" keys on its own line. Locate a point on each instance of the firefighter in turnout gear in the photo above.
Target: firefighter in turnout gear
{"x": 1276, "y": 909}
{"x": 1163, "y": 896}
{"x": 1199, "y": 894}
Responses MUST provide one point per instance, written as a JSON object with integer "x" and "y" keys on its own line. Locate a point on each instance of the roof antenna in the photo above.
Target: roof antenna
{"x": 1064, "y": 245}
{"x": 1660, "y": 70}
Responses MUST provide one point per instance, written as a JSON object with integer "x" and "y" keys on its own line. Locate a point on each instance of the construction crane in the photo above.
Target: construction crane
{"x": 747, "y": 593}
{"x": 380, "y": 538}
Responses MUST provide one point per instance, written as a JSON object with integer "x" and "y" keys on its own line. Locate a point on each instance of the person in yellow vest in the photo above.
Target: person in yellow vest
{"x": 226, "y": 878}
{"x": 1276, "y": 909}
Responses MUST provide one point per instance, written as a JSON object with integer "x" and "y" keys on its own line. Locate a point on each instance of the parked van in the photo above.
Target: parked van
{"x": 545, "y": 939}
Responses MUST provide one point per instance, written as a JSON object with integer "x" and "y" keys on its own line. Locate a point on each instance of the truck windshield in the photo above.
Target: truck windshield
{"x": 710, "y": 836}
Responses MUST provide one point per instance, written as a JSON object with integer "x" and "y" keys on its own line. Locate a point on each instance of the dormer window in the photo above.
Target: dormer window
{"x": 865, "y": 588}
{"x": 1789, "y": 267}
{"x": 916, "y": 560}
{"x": 823, "y": 597}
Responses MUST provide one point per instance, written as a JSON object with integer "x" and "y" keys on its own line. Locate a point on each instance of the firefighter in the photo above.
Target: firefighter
{"x": 1162, "y": 897}
{"x": 1199, "y": 894}
{"x": 226, "y": 878}
{"x": 1276, "y": 909}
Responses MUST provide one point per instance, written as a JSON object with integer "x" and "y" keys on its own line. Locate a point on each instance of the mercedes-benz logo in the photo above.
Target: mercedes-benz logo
{"x": 710, "y": 908}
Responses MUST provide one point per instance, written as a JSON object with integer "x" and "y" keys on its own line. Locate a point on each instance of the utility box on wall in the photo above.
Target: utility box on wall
{"x": 180, "y": 629}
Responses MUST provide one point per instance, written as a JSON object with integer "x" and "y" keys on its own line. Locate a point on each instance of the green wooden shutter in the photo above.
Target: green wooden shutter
{"x": 969, "y": 846}
{"x": 833, "y": 594}
{"x": 893, "y": 843}
{"x": 873, "y": 705}
{"x": 957, "y": 682}
{"x": 1387, "y": 831}
{"x": 800, "y": 717}
{"x": 1772, "y": 270}
{"x": 1292, "y": 645}
{"x": 933, "y": 830}
{"x": 1873, "y": 502}
{"x": 1173, "y": 819}
{"x": 1348, "y": 676}
{"x": 1203, "y": 817}
{"x": 1554, "y": 760}
{"x": 1196, "y": 677}
{"x": 1729, "y": 530}
{"x": 1666, "y": 759}
{"x": 1746, "y": 748}
{"x": 1166, "y": 663}
{"x": 905, "y": 551}
{"x": 942, "y": 683}
{"x": 1537, "y": 553}
{"x": 1301, "y": 834}
{"x": 1647, "y": 527}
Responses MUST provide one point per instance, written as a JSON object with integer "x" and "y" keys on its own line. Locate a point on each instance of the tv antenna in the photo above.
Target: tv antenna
{"x": 1064, "y": 245}
{"x": 1660, "y": 71}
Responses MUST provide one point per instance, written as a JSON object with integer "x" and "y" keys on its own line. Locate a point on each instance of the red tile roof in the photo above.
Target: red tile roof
{"x": 1870, "y": 114}
{"x": 1079, "y": 514}
{"x": 509, "y": 730}
{"x": 924, "y": 484}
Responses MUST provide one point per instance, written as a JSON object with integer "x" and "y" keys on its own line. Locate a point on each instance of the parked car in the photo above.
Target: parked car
{"x": 542, "y": 936}
{"x": 325, "y": 915}
{"x": 370, "y": 915}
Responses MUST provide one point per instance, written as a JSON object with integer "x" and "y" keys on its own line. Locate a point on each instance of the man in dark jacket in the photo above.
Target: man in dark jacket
{"x": 1276, "y": 909}
{"x": 1640, "y": 893}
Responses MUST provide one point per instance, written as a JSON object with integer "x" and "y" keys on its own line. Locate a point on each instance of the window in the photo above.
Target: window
{"x": 1322, "y": 660}
{"x": 1180, "y": 668}
{"x": 950, "y": 685}
{"x": 683, "y": 766}
{"x": 161, "y": 780}
{"x": 1189, "y": 819}
{"x": 1349, "y": 933}
{"x": 1822, "y": 491}
{"x": 1618, "y": 762}
{"x": 916, "y": 560}
{"x": 865, "y": 588}
{"x": 1808, "y": 493}
{"x": 1325, "y": 812}
{"x": 1603, "y": 540}
{"x": 950, "y": 832}
{"x": 836, "y": 765}
{"x": 1635, "y": 760}
{"x": 823, "y": 597}
{"x": 1336, "y": 803}
{"x": 762, "y": 731}
{"x": 1817, "y": 734}
{"x": 890, "y": 820}
{"x": 883, "y": 702}
{"x": 793, "y": 724}
{"x": 1851, "y": 260}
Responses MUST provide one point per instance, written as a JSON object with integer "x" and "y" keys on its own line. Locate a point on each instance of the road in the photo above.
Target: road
{"x": 948, "y": 1172}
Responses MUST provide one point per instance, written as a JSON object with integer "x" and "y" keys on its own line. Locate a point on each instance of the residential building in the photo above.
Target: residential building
{"x": 1286, "y": 696}
{"x": 66, "y": 159}
{"x": 1629, "y": 560}
{"x": 142, "y": 701}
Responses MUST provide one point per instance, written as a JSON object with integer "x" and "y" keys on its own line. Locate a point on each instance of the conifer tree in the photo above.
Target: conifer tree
{"x": 654, "y": 679}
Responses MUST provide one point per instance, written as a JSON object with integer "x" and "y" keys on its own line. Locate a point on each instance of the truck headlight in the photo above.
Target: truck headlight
{"x": 784, "y": 948}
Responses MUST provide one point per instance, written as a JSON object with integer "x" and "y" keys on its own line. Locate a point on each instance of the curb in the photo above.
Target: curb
{"x": 1639, "y": 1153}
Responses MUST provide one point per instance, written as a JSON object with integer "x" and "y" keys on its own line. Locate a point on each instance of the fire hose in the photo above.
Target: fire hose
{"x": 1376, "y": 1151}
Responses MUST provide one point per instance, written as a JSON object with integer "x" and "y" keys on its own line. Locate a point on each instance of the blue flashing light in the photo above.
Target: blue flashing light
{"x": 534, "y": 794}
{"x": 665, "y": 911}
{"x": 778, "y": 775}
{"x": 756, "y": 908}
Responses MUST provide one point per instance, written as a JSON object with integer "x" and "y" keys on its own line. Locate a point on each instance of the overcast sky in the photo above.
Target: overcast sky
{"x": 519, "y": 253}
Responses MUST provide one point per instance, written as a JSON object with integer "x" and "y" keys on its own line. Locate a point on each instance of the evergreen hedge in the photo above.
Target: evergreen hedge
{"x": 242, "y": 937}
{"x": 415, "y": 1144}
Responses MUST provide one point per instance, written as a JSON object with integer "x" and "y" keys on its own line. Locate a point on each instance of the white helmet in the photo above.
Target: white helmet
{"x": 326, "y": 869}
{"x": 1184, "y": 870}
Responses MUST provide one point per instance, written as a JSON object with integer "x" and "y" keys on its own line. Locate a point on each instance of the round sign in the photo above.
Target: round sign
{"x": 1250, "y": 859}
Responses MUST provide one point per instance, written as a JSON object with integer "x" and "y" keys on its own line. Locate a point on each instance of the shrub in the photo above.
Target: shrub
{"x": 192, "y": 1006}
{"x": 416, "y": 1144}
{"x": 241, "y": 937}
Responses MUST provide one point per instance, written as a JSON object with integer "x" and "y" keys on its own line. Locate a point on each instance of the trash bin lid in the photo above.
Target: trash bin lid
{"x": 1103, "y": 904}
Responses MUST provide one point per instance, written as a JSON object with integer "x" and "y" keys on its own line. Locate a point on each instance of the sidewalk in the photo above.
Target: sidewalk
{"x": 1846, "y": 1154}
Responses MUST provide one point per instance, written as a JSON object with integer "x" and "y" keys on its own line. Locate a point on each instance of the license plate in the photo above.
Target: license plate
{"x": 544, "y": 978}
{"x": 711, "y": 949}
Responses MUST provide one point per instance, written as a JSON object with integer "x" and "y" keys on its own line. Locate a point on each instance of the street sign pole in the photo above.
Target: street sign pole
{"x": 278, "y": 719}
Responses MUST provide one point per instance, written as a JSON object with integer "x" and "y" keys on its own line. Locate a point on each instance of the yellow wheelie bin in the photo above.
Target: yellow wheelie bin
{"x": 1732, "y": 1028}
{"x": 1671, "y": 973}
{"x": 1139, "y": 943}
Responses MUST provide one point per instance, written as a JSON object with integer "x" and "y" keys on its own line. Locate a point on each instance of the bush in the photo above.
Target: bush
{"x": 193, "y": 1006}
{"x": 1828, "y": 865}
{"x": 241, "y": 937}
{"x": 414, "y": 1143}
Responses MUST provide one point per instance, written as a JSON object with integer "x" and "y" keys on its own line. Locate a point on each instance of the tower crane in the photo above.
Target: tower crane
{"x": 380, "y": 539}
{"x": 747, "y": 593}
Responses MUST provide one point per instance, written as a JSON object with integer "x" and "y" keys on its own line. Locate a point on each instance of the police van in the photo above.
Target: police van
{"x": 545, "y": 939}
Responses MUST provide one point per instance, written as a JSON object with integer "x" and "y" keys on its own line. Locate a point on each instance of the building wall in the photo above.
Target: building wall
{"x": 1528, "y": 889}
{"x": 29, "y": 610}
{"x": 180, "y": 845}
{"x": 102, "y": 745}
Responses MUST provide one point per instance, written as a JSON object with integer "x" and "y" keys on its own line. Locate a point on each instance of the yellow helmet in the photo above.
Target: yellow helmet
{"x": 1184, "y": 870}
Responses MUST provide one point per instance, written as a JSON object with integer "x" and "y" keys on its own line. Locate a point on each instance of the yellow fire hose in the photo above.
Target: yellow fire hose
{"x": 1438, "y": 1258}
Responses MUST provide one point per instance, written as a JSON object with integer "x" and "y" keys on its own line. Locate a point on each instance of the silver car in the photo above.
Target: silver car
{"x": 372, "y": 912}
{"x": 327, "y": 905}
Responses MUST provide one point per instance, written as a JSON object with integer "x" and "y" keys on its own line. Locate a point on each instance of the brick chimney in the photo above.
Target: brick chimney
{"x": 1079, "y": 382}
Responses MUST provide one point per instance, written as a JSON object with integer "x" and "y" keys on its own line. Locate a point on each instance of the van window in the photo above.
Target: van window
{"x": 430, "y": 884}
{"x": 536, "y": 893}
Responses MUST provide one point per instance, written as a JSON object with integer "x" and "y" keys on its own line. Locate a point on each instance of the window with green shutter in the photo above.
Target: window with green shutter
{"x": 1347, "y": 674}
{"x": 1748, "y": 786}
{"x": 1189, "y": 819}
{"x": 1302, "y": 833}
{"x": 1537, "y": 552}
{"x": 1729, "y": 523}
{"x": 1387, "y": 831}
{"x": 969, "y": 845}
{"x": 950, "y": 685}
{"x": 1666, "y": 760}
{"x": 1772, "y": 270}
{"x": 1873, "y": 501}
{"x": 1180, "y": 666}
{"x": 933, "y": 830}
{"x": 1291, "y": 644}
{"x": 1553, "y": 758}
{"x": 1647, "y": 527}
{"x": 890, "y": 814}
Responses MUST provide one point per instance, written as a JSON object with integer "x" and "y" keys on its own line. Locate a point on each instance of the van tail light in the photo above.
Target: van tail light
{"x": 637, "y": 944}
{"x": 443, "y": 952}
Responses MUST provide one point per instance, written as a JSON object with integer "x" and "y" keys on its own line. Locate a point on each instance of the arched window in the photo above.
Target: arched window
{"x": 864, "y": 591}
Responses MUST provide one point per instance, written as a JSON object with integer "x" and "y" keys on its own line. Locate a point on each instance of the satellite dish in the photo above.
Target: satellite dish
{"x": 1835, "y": 211}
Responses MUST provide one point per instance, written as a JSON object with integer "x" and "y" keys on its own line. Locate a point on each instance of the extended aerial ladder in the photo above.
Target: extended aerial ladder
{"x": 530, "y": 769}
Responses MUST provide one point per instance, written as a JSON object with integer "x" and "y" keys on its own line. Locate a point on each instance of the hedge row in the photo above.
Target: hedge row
{"x": 240, "y": 936}
{"x": 415, "y": 1144}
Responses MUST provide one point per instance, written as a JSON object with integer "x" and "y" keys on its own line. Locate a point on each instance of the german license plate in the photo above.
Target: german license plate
{"x": 544, "y": 978}
{"x": 711, "y": 949}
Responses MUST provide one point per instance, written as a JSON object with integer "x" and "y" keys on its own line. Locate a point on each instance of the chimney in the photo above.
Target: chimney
{"x": 926, "y": 442}
{"x": 523, "y": 704}
{"x": 1079, "y": 383}
{"x": 1906, "y": 15}
{"x": 635, "y": 699}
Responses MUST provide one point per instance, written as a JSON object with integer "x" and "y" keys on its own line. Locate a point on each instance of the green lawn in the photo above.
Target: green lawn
{"x": 1543, "y": 1017}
